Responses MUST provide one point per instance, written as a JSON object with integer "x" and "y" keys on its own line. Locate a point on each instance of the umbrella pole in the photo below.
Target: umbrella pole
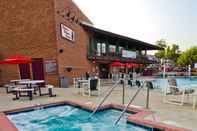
{"x": 19, "y": 72}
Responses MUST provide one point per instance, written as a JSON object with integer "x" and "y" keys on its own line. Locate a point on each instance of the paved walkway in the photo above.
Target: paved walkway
{"x": 182, "y": 116}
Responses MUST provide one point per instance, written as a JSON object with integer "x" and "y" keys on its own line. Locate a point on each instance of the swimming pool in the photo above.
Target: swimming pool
{"x": 182, "y": 82}
{"x": 69, "y": 118}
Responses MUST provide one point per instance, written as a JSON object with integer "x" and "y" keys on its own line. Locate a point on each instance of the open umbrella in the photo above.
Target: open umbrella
{"x": 133, "y": 65}
{"x": 117, "y": 64}
{"x": 16, "y": 60}
{"x": 2, "y": 62}
{"x": 129, "y": 65}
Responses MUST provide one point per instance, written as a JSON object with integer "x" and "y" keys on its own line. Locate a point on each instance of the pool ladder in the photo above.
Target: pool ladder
{"x": 131, "y": 100}
{"x": 106, "y": 96}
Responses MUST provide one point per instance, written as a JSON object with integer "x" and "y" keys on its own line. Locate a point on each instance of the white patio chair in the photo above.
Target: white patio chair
{"x": 172, "y": 90}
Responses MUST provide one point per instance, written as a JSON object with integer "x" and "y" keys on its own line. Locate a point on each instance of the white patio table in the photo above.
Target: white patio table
{"x": 29, "y": 84}
{"x": 17, "y": 81}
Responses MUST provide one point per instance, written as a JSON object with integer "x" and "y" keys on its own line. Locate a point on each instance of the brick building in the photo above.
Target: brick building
{"x": 61, "y": 41}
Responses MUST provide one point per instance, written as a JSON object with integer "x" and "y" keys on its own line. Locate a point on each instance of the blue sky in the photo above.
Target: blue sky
{"x": 146, "y": 20}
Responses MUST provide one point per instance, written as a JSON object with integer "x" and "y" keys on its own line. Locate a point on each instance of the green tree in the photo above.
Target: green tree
{"x": 189, "y": 57}
{"x": 161, "y": 43}
{"x": 170, "y": 52}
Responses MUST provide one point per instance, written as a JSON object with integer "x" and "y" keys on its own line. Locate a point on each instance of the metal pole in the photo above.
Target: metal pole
{"x": 106, "y": 96}
{"x": 123, "y": 91}
{"x": 147, "y": 96}
{"x": 164, "y": 70}
{"x": 131, "y": 100}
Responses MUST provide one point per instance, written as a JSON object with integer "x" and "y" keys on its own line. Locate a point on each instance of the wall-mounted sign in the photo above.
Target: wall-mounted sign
{"x": 128, "y": 54}
{"x": 67, "y": 33}
{"x": 50, "y": 66}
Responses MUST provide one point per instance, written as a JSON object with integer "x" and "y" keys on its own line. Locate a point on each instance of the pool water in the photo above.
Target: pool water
{"x": 69, "y": 118}
{"x": 182, "y": 82}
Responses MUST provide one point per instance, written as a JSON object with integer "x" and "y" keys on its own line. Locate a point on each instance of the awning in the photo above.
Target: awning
{"x": 130, "y": 42}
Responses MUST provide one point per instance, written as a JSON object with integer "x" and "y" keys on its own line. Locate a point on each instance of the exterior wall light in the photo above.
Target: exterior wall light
{"x": 61, "y": 50}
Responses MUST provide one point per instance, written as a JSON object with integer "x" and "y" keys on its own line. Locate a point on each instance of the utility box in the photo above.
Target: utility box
{"x": 64, "y": 82}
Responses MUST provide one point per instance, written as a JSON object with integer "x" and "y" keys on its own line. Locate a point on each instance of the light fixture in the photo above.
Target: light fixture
{"x": 61, "y": 50}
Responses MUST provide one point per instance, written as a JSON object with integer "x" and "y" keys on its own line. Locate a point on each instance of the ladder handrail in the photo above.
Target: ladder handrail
{"x": 132, "y": 99}
{"x": 106, "y": 96}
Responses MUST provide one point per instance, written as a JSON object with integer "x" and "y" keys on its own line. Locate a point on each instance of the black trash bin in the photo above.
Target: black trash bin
{"x": 64, "y": 82}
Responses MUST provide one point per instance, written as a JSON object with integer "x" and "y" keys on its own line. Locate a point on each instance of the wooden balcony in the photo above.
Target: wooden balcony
{"x": 108, "y": 58}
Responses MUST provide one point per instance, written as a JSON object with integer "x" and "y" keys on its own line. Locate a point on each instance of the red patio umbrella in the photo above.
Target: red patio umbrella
{"x": 2, "y": 62}
{"x": 129, "y": 65}
{"x": 117, "y": 64}
{"x": 133, "y": 65}
{"x": 16, "y": 60}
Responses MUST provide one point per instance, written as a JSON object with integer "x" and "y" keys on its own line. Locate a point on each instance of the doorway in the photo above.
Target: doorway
{"x": 104, "y": 71}
{"x": 37, "y": 69}
{"x": 25, "y": 71}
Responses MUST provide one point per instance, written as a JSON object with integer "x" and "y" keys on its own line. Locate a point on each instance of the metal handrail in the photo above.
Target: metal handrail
{"x": 106, "y": 96}
{"x": 132, "y": 99}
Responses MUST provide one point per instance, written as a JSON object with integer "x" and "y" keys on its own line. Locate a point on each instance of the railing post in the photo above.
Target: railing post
{"x": 148, "y": 95}
{"x": 123, "y": 92}
{"x": 123, "y": 89}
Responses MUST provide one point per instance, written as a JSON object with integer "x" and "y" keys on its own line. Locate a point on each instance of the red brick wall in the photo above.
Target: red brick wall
{"x": 26, "y": 28}
{"x": 75, "y": 53}
{"x": 32, "y": 28}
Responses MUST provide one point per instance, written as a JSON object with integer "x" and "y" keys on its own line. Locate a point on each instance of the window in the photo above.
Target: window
{"x": 98, "y": 50}
{"x": 112, "y": 48}
{"x": 120, "y": 49}
{"x": 103, "y": 50}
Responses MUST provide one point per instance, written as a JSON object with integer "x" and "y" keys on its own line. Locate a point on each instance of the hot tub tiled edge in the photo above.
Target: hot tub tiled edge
{"x": 137, "y": 118}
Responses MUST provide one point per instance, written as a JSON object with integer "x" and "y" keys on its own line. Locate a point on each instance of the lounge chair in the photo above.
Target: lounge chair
{"x": 92, "y": 86}
{"x": 173, "y": 90}
{"x": 49, "y": 91}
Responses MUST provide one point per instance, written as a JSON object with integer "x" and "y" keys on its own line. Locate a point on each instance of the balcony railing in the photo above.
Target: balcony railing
{"x": 108, "y": 57}
{"x": 115, "y": 56}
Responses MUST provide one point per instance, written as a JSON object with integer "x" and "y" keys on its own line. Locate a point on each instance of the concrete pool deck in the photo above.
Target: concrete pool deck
{"x": 180, "y": 116}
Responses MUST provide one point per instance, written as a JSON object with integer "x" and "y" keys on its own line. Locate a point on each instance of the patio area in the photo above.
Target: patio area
{"x": 181, "y": 116}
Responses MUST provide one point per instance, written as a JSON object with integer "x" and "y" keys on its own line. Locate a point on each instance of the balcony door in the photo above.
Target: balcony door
{"x": 104, "y": 71}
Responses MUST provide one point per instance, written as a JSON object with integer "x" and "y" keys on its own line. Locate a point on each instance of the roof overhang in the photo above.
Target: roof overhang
{"x": 123, "y": 39}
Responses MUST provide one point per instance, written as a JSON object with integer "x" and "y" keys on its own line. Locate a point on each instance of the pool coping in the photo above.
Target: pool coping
{"x": 137, "y": 118}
